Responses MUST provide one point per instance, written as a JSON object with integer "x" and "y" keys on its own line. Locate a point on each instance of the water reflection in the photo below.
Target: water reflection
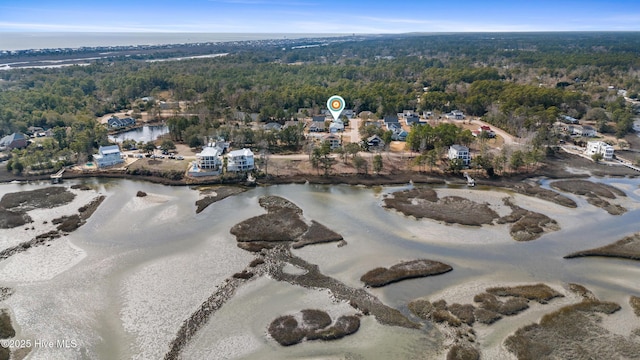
{"x": 144, "y": 134}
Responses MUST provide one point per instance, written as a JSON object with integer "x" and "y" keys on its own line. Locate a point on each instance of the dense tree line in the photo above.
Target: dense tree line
{"x": 519, "y": 82}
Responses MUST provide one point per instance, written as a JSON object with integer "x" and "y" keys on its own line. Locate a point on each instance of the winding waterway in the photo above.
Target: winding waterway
{"x": 145, "y": 264}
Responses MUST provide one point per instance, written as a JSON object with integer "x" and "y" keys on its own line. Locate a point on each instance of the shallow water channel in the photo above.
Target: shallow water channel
{"x": 143, "y": 265}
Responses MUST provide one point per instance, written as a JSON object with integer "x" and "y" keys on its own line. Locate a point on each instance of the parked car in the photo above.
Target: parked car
{"x": 179, "y": 157}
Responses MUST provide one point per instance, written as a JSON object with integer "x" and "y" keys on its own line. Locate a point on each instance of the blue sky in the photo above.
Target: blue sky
{"x": 315, "y": 16}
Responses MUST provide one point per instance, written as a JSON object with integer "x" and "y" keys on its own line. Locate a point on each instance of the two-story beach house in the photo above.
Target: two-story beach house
{"x": 240, "y": 160}
{"x": 600, "y": 147}
{"x": 209, "y": 159}
{"x": 108, "y": 156}
{"x": 460, "y": 152}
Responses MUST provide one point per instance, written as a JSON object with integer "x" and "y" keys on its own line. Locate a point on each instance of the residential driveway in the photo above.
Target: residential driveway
{"x": 508, "y": 138}
{"x": 354, "y": 125}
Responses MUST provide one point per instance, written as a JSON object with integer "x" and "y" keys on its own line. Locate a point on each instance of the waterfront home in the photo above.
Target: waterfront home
{"x": 115, "y": 122}
{"x": 209, "y": 159}
{"x": 208, "y": 162}
{"x": 108, "y": 156}
{"x": 14, "y": 141}
{"x": 600, "y": 147}
{"x": 460, "y": 152}
{"x": 240, "y": 160}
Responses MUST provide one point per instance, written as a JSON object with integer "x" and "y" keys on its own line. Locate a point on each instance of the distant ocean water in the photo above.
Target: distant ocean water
{"x": 52, "y": 40}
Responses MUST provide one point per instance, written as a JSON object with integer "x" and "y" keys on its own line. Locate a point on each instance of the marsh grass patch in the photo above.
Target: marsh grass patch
{"x": 6, "y": 328}
{"x": 463, "y": 352}
{"x": 539, "y": 292}
{"x": 405, "y": 270}
{"x": 315, "y": 325}
{"x": 572, "y": 332}
{"x": 595, "y": 193}
{"x": 424, "y": 203}
{"x": 46, "y": 198}
{"x": 10, "y": 219}
{"x": 626, "y": 248}
{"x": 634, "y": 301}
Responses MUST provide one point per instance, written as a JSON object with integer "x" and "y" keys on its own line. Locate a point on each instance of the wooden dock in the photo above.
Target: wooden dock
{"x": 57, "y": 177}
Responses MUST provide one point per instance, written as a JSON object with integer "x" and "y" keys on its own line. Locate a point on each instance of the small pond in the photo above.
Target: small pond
{"x": 144, "y": 134}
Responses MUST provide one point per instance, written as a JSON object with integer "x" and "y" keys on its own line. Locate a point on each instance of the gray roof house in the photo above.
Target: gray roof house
{"x": 273, "y": 126}
{"x": 115, "y": 122}
{"x": 108, "y": 156}
{"x": 318, "y": 126}
{"x": 375, "y": 141}
{"x": 412, "y": 119}
{"x": 460, "y": 152}
{"x": 14, "y": 141}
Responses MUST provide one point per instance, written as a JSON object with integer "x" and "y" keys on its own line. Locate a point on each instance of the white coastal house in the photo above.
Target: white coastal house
{"x": 460, "y": 152}
{"x": 209, "y": 159}
{"x": 208, "y": 162}
{"x": 240, "y": 160}
{"x": 600, "y": 147}
{"x": 108, "y": 156}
